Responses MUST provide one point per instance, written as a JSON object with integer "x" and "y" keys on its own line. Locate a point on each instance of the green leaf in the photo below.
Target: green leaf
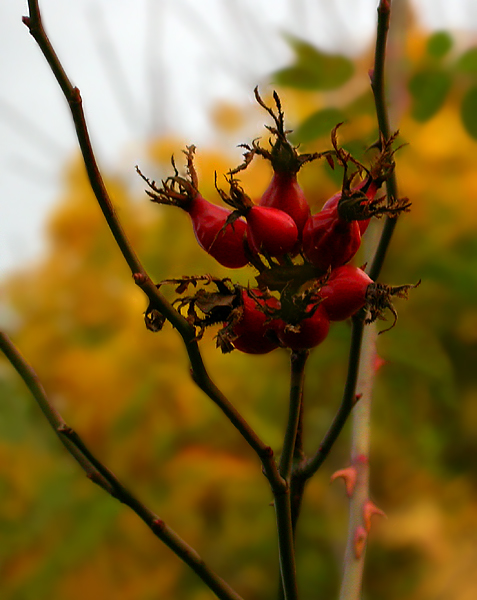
{"x": 318, "y": 124}
{"x": 428, "y": 89}
{"x": 314, "y": 69}
{"x": 439, "y": 44}
{"x": 467, "y": 63}
{"x": 468, "y": 112}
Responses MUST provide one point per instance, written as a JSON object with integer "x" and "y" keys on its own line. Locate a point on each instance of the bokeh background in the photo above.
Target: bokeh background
{"x": 78, "y": 319}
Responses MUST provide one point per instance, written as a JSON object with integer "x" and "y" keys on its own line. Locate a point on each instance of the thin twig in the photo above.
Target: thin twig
{"x": 298, "y": 362}
{"x": 379, "y": 90}
{"x": 102, "y": 476}
{"x": 286, "y": 545}
{"x": 349, "y": 398}
{"x": 141, "y": 278}
{"x": 283, "y": 500}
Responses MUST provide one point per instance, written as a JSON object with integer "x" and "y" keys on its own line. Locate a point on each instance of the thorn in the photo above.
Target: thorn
{"x": 349, "y": 475}
{"x": 139, "y": 278}
{"x": 360, "y": 536}
{"x": 379, "y": 362}
{"x": 369, "y": 510}
{"x": 357, "y": 398}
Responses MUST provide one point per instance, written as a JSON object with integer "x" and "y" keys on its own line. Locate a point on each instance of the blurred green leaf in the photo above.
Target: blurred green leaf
{"x": 468, "y": 112}
{"x": 421, "y": 350}
{"x": 439, "y": 44}
{"x": 428, "y": 89}
{"x": 318, "y": 124}
{"x": 313, "y": 69}
{"x": 467, "y": 63}
{"x": 362, "y": 105}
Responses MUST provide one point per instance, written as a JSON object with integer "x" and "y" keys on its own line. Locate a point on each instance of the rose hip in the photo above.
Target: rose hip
{"x": 345, "y": 292}
{"x": 308, "y": 333}
{"x": 271, "y": 231}
{"x": 253, "y": 333}
{"x": 329, "y": 241}
{"x": 285, "y": 193}
{"x": 219, "y": 237}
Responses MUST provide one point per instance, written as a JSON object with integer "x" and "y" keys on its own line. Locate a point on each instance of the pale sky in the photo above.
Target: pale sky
{"x": 171, "y": 59}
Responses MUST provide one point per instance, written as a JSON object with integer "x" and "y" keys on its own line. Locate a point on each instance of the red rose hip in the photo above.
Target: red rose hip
{"x": 345, "y": 292}
{"x": 308, "y": 333}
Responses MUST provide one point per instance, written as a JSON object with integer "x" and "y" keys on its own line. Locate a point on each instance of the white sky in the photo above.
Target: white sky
{"x": 171, "y": 59}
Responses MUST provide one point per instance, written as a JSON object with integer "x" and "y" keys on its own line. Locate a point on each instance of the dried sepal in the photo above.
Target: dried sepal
{"x": 154, "y": 320}
{"x": 378, "y": 300}
{"x": 175, "y": 190}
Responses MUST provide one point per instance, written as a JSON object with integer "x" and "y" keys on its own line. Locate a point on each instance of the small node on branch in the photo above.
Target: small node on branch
{"x": 65, "y": 430}
{"x": 139, "y": 278}
{"x": 76, "y": 96}
{"x": 158, "y": 525}
{"x": 268, "y": 452}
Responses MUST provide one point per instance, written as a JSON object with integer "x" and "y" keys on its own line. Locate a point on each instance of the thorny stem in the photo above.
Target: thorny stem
{"x": 142, "y": 279}
{"x": 102, "y": 476}
{"x": 360, "y": 442}
{"x": 355, "y": 548}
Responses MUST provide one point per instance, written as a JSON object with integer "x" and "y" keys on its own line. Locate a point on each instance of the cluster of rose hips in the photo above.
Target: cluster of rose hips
{"x": 304, "y": 280}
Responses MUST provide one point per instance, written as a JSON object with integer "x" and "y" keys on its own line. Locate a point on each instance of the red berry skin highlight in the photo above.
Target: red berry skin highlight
{"x": 271, "y": 230}
{"x": 312, "y": 331}
{"x": 285, "y": 193}
{"x": 345, "y": 292}
{"x": 254, "y": 327}
{"x": 328, "y": 241}
{"x": 225, "y": 245}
